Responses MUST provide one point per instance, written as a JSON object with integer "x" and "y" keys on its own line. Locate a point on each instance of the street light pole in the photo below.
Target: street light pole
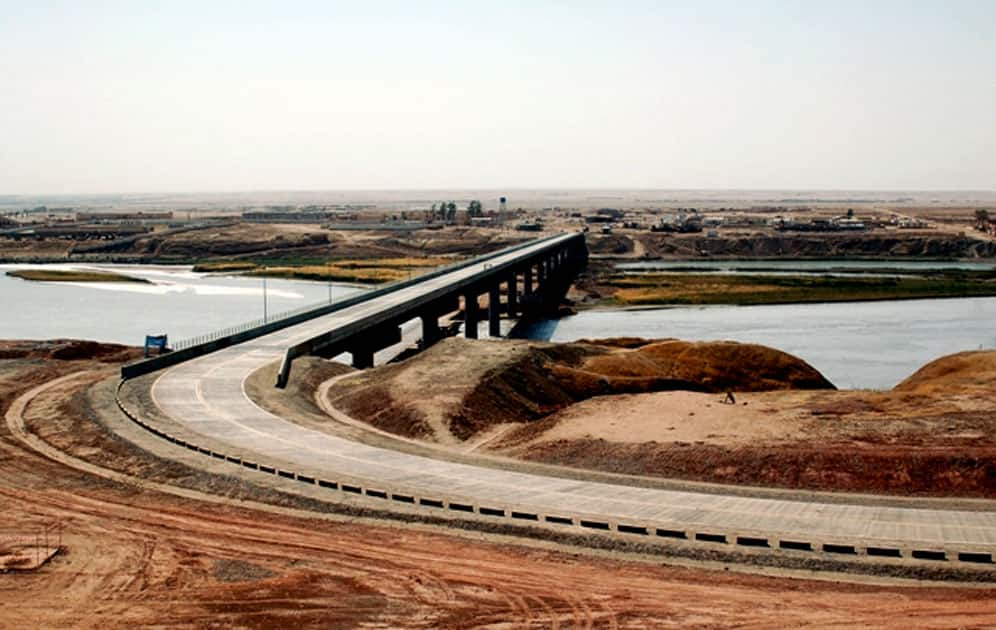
{"x": 264, "y": 295}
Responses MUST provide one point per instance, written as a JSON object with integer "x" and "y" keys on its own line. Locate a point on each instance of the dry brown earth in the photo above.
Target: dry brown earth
{"x": 661, "y": 410}
{"x": 286, "y": 242}
{"x": 136, "y": 557}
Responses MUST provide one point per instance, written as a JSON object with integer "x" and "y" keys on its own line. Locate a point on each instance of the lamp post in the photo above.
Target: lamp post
{"x": 264, "y": 295}
{"x": 328, "y": 271}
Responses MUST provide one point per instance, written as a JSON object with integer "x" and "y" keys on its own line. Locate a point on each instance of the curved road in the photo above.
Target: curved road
{"x": 207, "y": 396}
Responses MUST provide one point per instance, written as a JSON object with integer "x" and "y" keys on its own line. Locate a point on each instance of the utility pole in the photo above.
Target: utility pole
{"x": 328, "y": 266}
{"x": 264, "y": 295}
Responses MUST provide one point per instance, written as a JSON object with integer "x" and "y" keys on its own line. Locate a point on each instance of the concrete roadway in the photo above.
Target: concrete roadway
{"x": 207, "y": 396}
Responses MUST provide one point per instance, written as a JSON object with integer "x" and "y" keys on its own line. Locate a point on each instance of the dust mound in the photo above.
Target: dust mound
{"x": 955, "y": 372}
{"x": 459, "y": 388}
{"x": 68, "y": 350}
{"x": 713, "y": 366}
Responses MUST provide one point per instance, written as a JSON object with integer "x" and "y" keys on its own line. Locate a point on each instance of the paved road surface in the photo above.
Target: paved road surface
{"x": 207, "y": 396}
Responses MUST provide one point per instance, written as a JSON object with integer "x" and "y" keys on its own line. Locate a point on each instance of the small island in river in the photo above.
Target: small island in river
{"x": 75, "y": 275}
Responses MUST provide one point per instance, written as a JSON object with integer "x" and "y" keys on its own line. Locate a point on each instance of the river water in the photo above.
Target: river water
{"x": 855, "y": 345}
{"x": 180, "y": 303}
{"x": 870, "y": 345}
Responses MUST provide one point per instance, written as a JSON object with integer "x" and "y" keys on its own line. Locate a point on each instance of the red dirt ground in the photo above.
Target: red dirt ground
{"x": 136, "y": 557}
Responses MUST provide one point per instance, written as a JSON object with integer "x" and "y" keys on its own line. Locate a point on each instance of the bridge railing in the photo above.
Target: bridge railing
{"x": 245, "y": 326}
{"x": 200, "y": 345}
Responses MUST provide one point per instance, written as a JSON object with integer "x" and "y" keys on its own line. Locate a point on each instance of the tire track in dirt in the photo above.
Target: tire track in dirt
{"x": 328, "y": 569}
{"x": 439, "y": 592}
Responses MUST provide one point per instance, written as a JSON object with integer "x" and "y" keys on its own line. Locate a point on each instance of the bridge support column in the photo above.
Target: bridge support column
{"x": 470, "y": 316}
{"x": 363, "y": 349}
{"x": 494, "y": 311}
{"x": 527, "y": 281}
{"x": 430, "y": 329}
{"x": 512, "y": 295}
{"x": 541, "y": 271}
{"x": 430, "y": 318}
{"x": 363, "y": 359}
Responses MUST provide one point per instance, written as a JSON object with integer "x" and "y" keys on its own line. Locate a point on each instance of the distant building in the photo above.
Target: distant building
{"x": 124, "y": 218}
{"x": 270, "y": 216}
{"x": 599, "y": 218}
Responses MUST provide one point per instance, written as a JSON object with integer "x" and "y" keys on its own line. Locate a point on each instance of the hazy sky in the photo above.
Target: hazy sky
{"x": 202, "y": 96}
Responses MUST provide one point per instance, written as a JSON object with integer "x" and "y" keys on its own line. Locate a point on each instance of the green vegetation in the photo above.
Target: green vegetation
{"x": 680, "y": 288}
{"x": 54, "y": 275}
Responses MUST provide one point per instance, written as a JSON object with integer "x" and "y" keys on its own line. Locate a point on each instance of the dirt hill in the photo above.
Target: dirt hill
{"x": 933, "y": 245}
{"x": 658, "y": 408}
{"x": 955, "y": 372}
{"x": 459, "y": 388}
{"x": 68, "y": 350}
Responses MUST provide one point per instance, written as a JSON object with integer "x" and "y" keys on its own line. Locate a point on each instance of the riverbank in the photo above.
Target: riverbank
{"x": 602, "y": 286}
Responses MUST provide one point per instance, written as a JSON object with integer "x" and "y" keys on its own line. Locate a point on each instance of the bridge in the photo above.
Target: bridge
{"x": 205, "y": 398}
{"x": 546, "y": 268}
{"x": 535, "y": 276}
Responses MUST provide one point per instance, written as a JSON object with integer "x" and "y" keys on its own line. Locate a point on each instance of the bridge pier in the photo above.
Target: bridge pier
{"x": 363, "y": 349}
{"x": 470, "y": 315}
{"x": 512, "y": 295}
{"x": 527, "y": 281}
{"x": 430, "y": 319}
{"x": 430, "y": 330}
{"x": 494, "y": 311}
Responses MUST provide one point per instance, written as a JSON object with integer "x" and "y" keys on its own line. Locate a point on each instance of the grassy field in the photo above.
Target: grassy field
{"x": 673, "y": 288}
{"x": 53, "y": 275}
{"x": 371, "y": 271}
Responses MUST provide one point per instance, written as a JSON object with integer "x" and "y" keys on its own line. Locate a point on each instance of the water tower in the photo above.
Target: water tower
{"x": 501, "y": 204}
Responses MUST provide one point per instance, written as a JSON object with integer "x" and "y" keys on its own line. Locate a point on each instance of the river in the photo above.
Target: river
{"x": 867, "y": 345}
{"x": 180, "y": 303}
{"x": 855, "y": 345}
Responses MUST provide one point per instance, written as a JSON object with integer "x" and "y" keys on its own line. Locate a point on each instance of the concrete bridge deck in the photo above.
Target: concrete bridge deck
{"x": 207, "y": 396}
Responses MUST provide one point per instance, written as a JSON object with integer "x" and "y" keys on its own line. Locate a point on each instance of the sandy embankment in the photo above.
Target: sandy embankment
{"x": 660, "y": 409}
